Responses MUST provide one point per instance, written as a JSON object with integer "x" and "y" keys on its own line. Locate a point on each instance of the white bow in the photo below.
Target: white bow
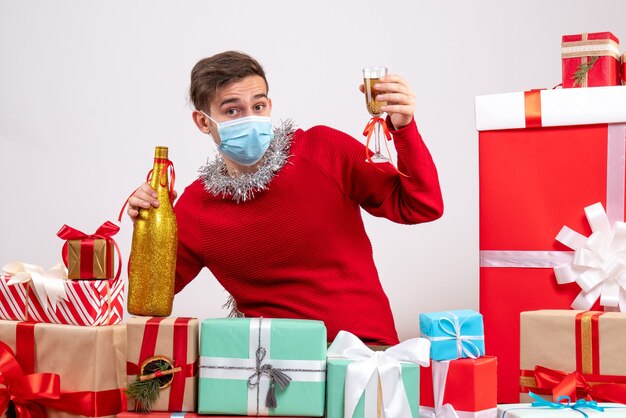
{"x": 440, "y": 374}
{"x": 385, "y": 364}
{"x": 599, "y": 265}
{"x": 453, "y": 331}
{"x": 49, "y": 286}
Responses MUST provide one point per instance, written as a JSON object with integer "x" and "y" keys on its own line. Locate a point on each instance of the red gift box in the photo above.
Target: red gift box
{"x": 534, "y": 181}
{"x": 590, "y": 60}
{"x": 470, "y": 386}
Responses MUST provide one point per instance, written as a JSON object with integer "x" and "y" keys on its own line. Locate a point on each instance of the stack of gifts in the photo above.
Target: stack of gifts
{"x": 62, "y": 350}
{"x": 552, "y": 187}
{"x": 461, "y": 381}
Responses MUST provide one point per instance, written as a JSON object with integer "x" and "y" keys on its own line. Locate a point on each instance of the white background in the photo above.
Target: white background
{"x": 88, "y": 88}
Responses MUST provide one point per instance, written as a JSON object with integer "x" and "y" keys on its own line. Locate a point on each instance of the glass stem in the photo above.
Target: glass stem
{"x": 377, "y": 139}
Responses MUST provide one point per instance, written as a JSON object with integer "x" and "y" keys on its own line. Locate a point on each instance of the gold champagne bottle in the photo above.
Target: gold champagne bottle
{"x": 152, "y": 264}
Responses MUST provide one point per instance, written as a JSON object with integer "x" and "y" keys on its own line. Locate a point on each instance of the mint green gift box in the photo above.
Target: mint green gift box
{"x": 240, "y": 359}
{"x": 335, "y": 389}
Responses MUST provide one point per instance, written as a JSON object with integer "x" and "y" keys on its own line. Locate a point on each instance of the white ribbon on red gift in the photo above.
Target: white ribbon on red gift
{"x": 605, "y": 282}
{"x": 599, "y": 264}
{"x": 384, "y": 366}
{"x": 440, "y": 375}
{"x": 49, "y": 286}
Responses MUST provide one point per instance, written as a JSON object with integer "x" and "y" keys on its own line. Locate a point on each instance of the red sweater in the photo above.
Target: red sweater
{"x": 299, "y": 249}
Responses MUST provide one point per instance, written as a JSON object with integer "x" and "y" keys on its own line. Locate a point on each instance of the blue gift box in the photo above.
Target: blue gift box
{"x": 453, "y": 334}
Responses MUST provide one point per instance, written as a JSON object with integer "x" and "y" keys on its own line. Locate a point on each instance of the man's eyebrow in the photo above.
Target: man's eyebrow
{"x": 237, "y": 100}
{"x": 231, "y": 100}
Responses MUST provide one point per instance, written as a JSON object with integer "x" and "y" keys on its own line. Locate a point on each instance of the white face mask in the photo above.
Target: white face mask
{"x": 244, "y": 140}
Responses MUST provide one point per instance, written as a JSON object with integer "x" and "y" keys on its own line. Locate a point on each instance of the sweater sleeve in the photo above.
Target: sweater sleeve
{"x": 383, "y": 192}
{"x": 188, "y": 259}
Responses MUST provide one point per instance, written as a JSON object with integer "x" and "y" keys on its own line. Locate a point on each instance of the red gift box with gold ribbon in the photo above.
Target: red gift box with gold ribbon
{"x": 175, "y": 340}
{"x": 62, "y": 370}
{"x": 590, "y": 60}
{"x": 544, "y": 156}
{"x": 579, "y": 354}
{"x": 90, "y": 256}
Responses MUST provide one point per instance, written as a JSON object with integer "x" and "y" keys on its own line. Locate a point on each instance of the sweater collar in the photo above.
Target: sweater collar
{"x": 243, "y": 187}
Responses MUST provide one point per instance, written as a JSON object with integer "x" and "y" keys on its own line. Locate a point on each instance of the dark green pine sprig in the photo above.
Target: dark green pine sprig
{"x": 146, "y": 393}
{"x": 583, "y": 70}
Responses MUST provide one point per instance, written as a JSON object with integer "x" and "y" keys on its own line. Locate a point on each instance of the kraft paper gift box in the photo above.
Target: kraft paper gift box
{"x": 590, "y": 60}
{"x": 573, "y": 353}
{"x": 468, "y": 386}
{"x": 87, "y": 363}
{"x": 453, "y": 334}
{"x": 173, "y": 339}
{"x": 28, "y": 293}
{"x": 90, "y": 256}
{"x": 262, "y": 366}
{"x": 544, "y": 157}
{"x": 362, "y": 383}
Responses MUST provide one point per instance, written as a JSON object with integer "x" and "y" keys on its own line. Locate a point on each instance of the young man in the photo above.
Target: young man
{"x": 276, "y": 217}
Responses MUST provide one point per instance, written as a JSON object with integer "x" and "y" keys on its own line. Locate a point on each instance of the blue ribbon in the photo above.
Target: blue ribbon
{"x": 562, "y": 402}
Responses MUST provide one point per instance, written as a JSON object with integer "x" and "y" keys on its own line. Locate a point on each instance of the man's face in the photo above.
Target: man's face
{"x": 247, "y": 97}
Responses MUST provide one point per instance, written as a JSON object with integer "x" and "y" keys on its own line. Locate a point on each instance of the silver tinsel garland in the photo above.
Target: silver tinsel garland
{"x": 243, "y": 186}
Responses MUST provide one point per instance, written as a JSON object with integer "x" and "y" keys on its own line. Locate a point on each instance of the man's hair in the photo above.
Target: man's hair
{"x": 212, "y": 73}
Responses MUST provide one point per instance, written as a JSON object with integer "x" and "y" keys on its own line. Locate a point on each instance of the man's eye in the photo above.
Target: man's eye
{"x": 231, "y": 112}
{"x": 259, "y": 107}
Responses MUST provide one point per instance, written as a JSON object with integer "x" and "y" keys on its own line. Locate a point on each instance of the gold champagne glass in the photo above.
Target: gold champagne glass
{"x": 371, "y": 76}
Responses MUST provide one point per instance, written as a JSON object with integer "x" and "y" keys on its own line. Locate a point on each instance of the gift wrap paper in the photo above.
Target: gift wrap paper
{"x": 580, "y": 49}
{"x": 534, "y": 181}
{"x": 228, "y": 350}
{"x": 176, "y": 339}
{"x": 98, "y": 256}
{"x": 453, "y": 334}
{"x": 470, "y": 387}
{"x": 88, "y": 303}
{"x": 525, "y": 410}
{"x": 370, "y": 403}
{"x": 594, "y": 346}
{"x": 87, "y": 360}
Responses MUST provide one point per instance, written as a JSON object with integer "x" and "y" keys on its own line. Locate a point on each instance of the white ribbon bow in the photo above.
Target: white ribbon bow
{"x": 385, "y": 364}
{"x": 452, "y": 327}
{"x": 599, "y": 265}
{"x": 49, "y": 286}
{"x": 440, "y": 374}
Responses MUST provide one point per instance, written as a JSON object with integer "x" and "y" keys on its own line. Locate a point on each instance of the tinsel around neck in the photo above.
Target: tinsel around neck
{"x": 243, "y": 186}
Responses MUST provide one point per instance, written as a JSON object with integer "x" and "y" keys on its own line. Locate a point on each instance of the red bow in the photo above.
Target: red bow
{"x": 575, "y": 383}
{"x": 27, "y": 392}
{"x": 105, "y": 231}
{"x": 369, "y": 129}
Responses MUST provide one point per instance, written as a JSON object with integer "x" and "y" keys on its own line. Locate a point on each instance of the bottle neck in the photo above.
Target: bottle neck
{"x": 159, "y": 176}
